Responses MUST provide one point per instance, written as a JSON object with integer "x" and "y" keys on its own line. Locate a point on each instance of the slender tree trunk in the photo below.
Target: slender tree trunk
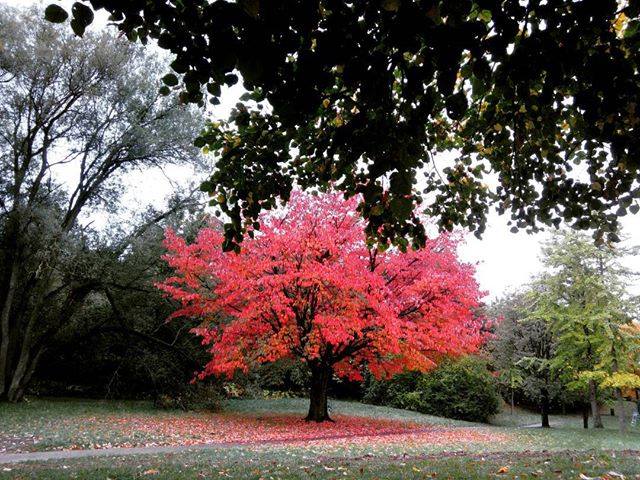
{"x": 512, "y": 402}
{"x": 585, "y": 416}
{"x": 318, "y": 408}
{"x": 622, "y": 418}
{"x": 544, "y": 407}
{"x": 5, "y": 316}
{"x": 593, "y": 400}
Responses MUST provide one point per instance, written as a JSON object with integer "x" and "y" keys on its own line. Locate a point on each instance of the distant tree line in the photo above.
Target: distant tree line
{"x": 571, "y": 339}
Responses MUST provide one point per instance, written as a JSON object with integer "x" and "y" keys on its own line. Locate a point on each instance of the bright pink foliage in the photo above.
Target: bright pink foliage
{"x": 307, "y": 286}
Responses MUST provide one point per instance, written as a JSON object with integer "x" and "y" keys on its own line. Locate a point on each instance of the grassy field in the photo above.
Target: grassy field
{"x": 276, "y": 465}
{"x": 269, "y": 439}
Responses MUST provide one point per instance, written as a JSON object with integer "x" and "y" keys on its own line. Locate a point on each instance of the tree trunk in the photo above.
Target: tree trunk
{"x": 585, "y": 416}
{"x": 622, "y": 419}
{"x": 544, "y": 407}
{"x": 593, "y": 400}
{"x": 318, "y": 409}
{"x": 4, "y": 329}
{"x": 512, "y": 402}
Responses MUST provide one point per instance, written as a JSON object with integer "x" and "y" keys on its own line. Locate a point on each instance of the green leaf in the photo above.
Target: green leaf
{"x": 170, "y": 79}
{"x": 82, "y": 18}
{"x": 457, "y": 106}
{"x": 230, "y": 79}
{"x": 485, "y": 16}
{"x": 55, "y": 14}
{"x": 179, "y": 66}
{"x": 632, "y": 28}
{"x": 77, "y": 27}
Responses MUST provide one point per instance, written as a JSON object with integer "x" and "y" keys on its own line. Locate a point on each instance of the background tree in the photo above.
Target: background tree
{"x": 307, "y": 285}
{"x": 363, "y": 93}
{"x": 523, "y": 348}
{"x": 118, "y": 344}
{"x": 90, "y": 107}
{"x": 583, "y": 297}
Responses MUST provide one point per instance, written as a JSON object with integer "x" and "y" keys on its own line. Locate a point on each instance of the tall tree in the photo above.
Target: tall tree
{"x": 523, "y": 348}
{"x": 363, "y": 93}
{"x": 583, "y": 297}
{"x": 307, "y": 285}
{"x": 90, "y": 107}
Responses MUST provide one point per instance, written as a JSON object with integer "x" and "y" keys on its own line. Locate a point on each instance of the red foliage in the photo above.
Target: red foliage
{"x": 231, "y": 428}
{"x": 307, "y": 286}
{"x": 260, "y": 430}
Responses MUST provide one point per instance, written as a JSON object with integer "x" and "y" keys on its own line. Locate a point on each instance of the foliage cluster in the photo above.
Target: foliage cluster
{"x": 364, "y": 93}
{"x": 572, "y": 335}
{"x": 78, "y": 117}
{"x": 309, "y": 286}
{"x": 462, "y": 389}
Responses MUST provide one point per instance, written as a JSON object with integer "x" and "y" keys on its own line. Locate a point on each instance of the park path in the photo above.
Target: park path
{"x": 7, "y": 458}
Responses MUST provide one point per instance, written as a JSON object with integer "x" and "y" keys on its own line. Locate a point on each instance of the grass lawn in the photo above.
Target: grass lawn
{"x": 43, "y": 425}
{"x": 269, "y": 439}
{"x": 282, "y": 464}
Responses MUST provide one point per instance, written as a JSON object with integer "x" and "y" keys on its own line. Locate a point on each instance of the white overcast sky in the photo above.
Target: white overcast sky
{"x": 505, "y": 261}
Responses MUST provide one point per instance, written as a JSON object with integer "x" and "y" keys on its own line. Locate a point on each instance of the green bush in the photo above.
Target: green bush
{"x": 391, "y": 392}
{"x": 462, "y": 389}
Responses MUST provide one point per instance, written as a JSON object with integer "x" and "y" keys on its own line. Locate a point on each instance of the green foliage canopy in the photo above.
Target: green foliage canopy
{"x": 584, "y": 300}
{"x": 361, "y": 94}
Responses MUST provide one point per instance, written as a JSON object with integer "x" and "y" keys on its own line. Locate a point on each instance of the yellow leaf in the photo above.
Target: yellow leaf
{"x": 620, "y": 22}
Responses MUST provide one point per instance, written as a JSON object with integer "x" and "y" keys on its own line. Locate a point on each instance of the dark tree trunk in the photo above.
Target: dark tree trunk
{"x": 5, "y": 318}
{"x": 585, "y": 416}
{"x": 512, "y": 401}
{"x": 318, "y": 408}
{"x": 544, "y": 407}
{"x": 595, "y": 410}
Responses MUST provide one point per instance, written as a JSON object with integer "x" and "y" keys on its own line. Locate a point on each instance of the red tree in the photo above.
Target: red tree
{"x": 307, "y": 286}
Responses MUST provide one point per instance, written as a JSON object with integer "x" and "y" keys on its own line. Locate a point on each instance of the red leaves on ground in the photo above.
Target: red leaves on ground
{"x": 255, "y": 430}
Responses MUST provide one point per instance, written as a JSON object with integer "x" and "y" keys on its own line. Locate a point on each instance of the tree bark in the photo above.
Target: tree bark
{"x": 4, "y": 329}
{"x": 585, "y": 416}
{"x": 622, "y": 419}
{"x": 544, "y": 407}
{"x": 593, "y": 400}
{"x": 318, "y": 408}
{"x": 512, "y": 401}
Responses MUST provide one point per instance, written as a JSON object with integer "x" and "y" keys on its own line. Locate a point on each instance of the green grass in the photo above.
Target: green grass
{"x": 53, "y": 424}
{"x": 536, "y": 452}
{"x": 287, "y": 465}
{"x": 521, "y": 417}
